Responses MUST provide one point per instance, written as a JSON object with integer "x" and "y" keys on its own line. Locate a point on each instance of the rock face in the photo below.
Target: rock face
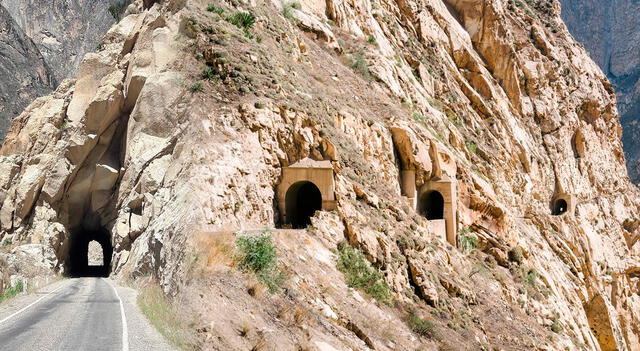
{"x": 63, "y": 32}
{"x": 24, "y": 74}
{"x": 610, "y": 33}
{"x": 173, "y": 139}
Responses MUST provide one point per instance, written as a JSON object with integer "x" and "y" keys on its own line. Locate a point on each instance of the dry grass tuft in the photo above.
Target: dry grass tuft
{"x": 216, "y": 249}
{"x": 164, "y": 316}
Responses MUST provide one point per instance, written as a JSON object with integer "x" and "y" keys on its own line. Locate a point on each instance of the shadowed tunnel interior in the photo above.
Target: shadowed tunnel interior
{"x": 559, "y": 207}
{"x": 432, "y": 205}
{"x": 78, "y": 259}
{"x": 303, "y": 199}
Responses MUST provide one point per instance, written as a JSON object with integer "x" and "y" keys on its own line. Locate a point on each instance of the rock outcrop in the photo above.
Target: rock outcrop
{"x": 173, "y": 138}
{"x": 24, "y": 74}
{"x": 609, "y": 32}
{"x": 62, "y": 31}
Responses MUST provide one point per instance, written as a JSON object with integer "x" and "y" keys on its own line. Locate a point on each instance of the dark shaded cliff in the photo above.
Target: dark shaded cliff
{"x": 64, "y": 31}
{"x": 42, "y": 43}
{"x": 24, "y": 74}
{"x": 610, "y": 31}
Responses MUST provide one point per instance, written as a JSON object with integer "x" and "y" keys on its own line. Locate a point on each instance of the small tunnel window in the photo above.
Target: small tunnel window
{"x": 90, "y": 253}
{"x": 559, "y": 207}
{"x": 302, "y": 201}
{"x": 432, "y": 205}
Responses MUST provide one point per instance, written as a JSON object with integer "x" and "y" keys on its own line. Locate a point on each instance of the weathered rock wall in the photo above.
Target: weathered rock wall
{"x": 609, "y": 32}
{"x": 24, "y": 74}
{"x": 182, "y": 123}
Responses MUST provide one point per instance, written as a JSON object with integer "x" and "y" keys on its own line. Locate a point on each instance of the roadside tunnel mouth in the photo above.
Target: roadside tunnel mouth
{"x": 303, "y": 199}
{"x": 90, "y": 252}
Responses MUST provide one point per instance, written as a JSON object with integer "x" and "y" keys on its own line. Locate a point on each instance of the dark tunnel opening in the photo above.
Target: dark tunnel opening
{"x": 302, "y": 201}
{"x": 432, "y": 205}
{"x": 78, "y": 261}
{"x": 560, "y": 206}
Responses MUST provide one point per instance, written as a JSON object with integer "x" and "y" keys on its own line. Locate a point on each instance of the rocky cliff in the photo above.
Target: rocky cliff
{"x": 24, "y": 74}
{"x": 468, "y": 149}
{"x": 609, "y": 32}
{"x": 62, "y": 31}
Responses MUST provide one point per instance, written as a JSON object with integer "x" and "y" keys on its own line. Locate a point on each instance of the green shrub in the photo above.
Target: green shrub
{"x": 372, "y": 40}
{"x": 467, "y": 241}
{"x": 216, "y": 9}
{"x": 531, "y": 277}
{"x": 419, "y": 117}
{"x": 286, "y": 9}
{"x": 244, "y": 20}
{"x": 419, "y": 325}
{"x": 472, "y": 146}
{"x": 359, "y": 273}
{"x": 359, "y": 63}
{"x": 208, "y": 73}
{"x": 258, "y": 254}
{"x": 259, "y": 105}
{"x": 555, "y": 326}
{"x": 11, "y": 291}
{"x": 197, "y": 87}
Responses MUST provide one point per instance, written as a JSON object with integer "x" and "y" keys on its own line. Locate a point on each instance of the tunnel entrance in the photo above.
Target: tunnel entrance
{"x": 432, "y": 205}
{"x": 302, "y": 201}
{"x": 90, "y": 253}
{"x": 560, "y": 206}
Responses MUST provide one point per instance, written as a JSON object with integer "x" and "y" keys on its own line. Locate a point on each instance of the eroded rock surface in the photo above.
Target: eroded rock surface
{"x": 610, "y": 33}
{"x": 24, "y": 73}
{"x": 173, "y": 137}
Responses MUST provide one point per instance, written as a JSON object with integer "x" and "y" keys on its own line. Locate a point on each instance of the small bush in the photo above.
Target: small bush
{"x": 419, "y": 117}
{"x": 359, "y": 63}
{"x": 359, "y": 273}
{"x": 257, "y": 254}
{"x": 419, "y": 325}
{"x": 208, "y": 73}
{"x": 555, "y": 326}
{"x": 531, "y": 277}
{"x": 467, "y": 242}
{"x": 243, "y": 20}
{"x": 216, "y": 9}
{"x": 11, "y": 291}
{"x": 372, "y": 40}
{"x": 259, "y": 105}
{"x": 472, "y": 146}
{"x": 197, "y": 87}
{"x": 286, "y": 9}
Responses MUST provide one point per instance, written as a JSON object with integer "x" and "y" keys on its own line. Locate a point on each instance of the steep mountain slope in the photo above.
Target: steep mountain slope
{"x": 24, "y": 74}
{"x": 197, "y": 125}
{"x": 609, "y": 32}
{"x": 63, "y": 30}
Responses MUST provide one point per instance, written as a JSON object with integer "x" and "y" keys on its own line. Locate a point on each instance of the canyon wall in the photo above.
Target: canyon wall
{"x": 62, "y": 31}
{"x": 610, "y": 33}
{"x": 24, "y": 73}
{"x": 174, "y": 139}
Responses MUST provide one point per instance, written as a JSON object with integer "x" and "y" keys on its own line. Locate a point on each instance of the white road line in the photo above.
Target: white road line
{"x": 125, "y": 331}
{"x": 31, "y": 304}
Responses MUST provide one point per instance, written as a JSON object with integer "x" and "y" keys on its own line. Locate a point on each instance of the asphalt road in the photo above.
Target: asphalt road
{"x": 78, "y": 314}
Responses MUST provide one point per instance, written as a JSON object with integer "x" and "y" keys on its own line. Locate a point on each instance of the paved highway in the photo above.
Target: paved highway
{"x": 77, "y": 314}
